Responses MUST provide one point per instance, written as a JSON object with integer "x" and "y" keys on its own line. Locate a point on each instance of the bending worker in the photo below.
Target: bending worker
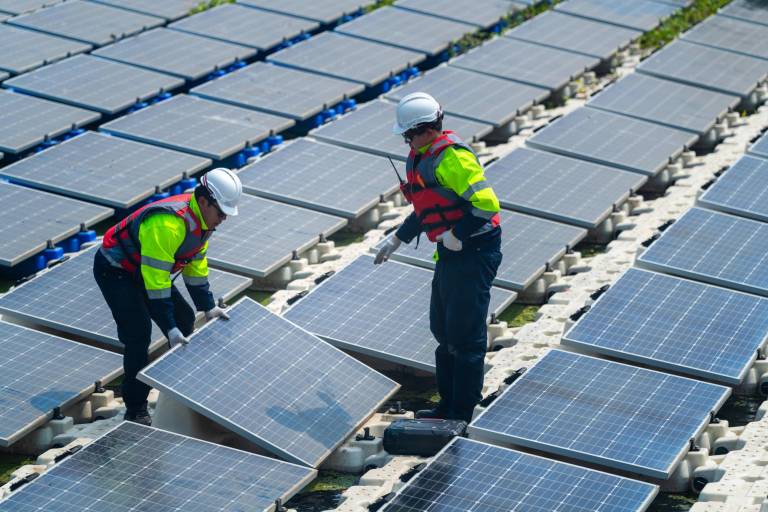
{"x": 455, "y": 207}
{"x": 133, "y": 269}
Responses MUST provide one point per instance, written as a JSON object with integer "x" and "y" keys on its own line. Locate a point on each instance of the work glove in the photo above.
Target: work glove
{"x": 387, "y": 250}
{"x": 450, "y": 241}
{"x": 176, "y": 338}
{"x": 216, "y": 312}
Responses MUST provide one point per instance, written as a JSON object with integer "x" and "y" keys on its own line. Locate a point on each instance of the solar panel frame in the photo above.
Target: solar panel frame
{"x": 25, "y": 50}
{"x": 24, "y": 6}
{"x": 482, "y": 13}
{"x": 725, "y": 33}
{"x": 168, "y": 9}
{"x": 642, "y": 15}
{"x": 325, "y": 12}
{"x": 743, "y": 10}
{"x": 760, "y": 147}
{"x": 741, "y": 190}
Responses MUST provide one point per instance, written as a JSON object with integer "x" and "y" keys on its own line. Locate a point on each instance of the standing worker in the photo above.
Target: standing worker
{"x": 133, "y": 269}
{"x": 457, "y": 209}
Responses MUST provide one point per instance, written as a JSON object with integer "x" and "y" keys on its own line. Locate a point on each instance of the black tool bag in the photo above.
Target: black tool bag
{"x": 423, "y": 437}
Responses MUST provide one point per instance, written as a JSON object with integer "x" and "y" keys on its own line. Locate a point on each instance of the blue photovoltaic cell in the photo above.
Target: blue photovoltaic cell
{"x": 675, "y": 324}
{"x": 747, "y": 10}
{"x": 168, "y": 9}
{"x": 483, "y": 13}
{"x": 24, "y": 6}
{"x": 602, "y": 412}
{"x": 325, "y": 11}
{"x": 25, "y": 50}
{"x": 636, "y": 14}
{"x": 730, "y": 34}
{"x": 742, "y": 190}
{"x": 760, "y": 148}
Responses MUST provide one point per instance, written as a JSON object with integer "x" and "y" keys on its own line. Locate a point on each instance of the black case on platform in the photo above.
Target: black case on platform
{"x": 423, "y": 437}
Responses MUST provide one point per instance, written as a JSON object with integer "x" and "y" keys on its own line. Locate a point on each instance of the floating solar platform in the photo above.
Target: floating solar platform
{"x": 481, "y": 13}
{"x": 67, "y": 299}
{"x": 279, "y": 90}
{"x": 168, "y": 9}
{"x": 26, "y": 121}
{"x": 45, "y": 217}
{"x": 664, "y": 102}
{"x": 135, "y": 468}
{"x": 87, "y": 22}
{"x": 25, "y": 50}
{"x": 675, "y": 324}
{"x": 262, "y": 238}
{"x": 106, "y": 170}
{"x": 325, "y": 12}
{"x": 741, "y": 190}
{"x": 176, "y": 53}
{"x": 475, "y": 96}
{"x": 614, "y": 140}
{"x": 280, "y": 387}
{"x": 641, "y": 15}
{"x": 709, "y": 68}
{"x": 39, "y": 372}
{"x": 198, "y": 126}
{"x": 255, "y": 28}
{"x": 602, "y": 412}
{"x": 525, "y": 62}
{"x": 341, "y": 56}
{"x": 469, "y": 475}
{"x": 24, "y": 6}
{"x": 730, "y": 34}
{"x": 369, "y": 129}
{"x": 93, "y": 83}
{"x": 760, "y": 148}
{"x": 746, "y": 10}
{"x": 575, "y": 34}
{"x": 560, "y": 188}
{"x": 715, "y": 248}
{"x": 322, "y": 177}
{"x": 378, "y": 310}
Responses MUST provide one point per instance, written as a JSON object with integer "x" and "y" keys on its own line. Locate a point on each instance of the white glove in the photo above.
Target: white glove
{"x": 450, "y": 241}
{"x": 176, "y": 338}
{"x": 216, "y": 312}
{"x": 389, "y": 247}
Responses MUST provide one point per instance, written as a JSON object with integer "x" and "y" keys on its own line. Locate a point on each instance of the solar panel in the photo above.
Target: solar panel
{"x": 713, "y": 247}
{"x": 741, "y": 190}
{"x": 22, "y": 6}
{"x": 747, "y": 10}
{"x": 39, "y": 372}
{"x": 475, "y": 96}
{"x": 3, "y": 75}
{"x": 730, "y": 34}
{"x": 560, "y": 188}
{"x": 134, "y": 468}
{"x": 614, "y": 140}
{"x": 94, "y": 83}
{"x": 669, "y": 103}
{"x": 67, "y": 299}
{"x": 469, "y": 475}
{"x": 45, "y": 217}
{"x": 184, "y": 55}
{"x": 526, "y": 62}
{"x": 25, "y": 50}
{"x": 4, "y": 17}
{"x": 529, "y": 245}
{"x": 341, "y": 56}
{"x": 642, "y": 15}
{"x": 88, "y": 22}
{"x": 103, "y": 169}
{"x": 483, "y": 13}
{"x": 705, "y": 67}
{"x": 369, "y": 129}
{"x": 263, "y": 236}
{"x": 279, "y": 90}
{"x": 26, "y": 121}
{"x": 198, "y": 126}
{"x": 760, "y": 148}
{"x": 325, "y": 12}
{"x": 280, "y": 387}
{"x": 378, "y": 310}
{"x": 628, "y": 418}
{"x": 243, "y": 25}
{"x": 168, "y": 9}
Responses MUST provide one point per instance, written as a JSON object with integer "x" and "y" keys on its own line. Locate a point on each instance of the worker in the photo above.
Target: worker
{"x": 134, "y": 268}
{"x": 456, "y": 208}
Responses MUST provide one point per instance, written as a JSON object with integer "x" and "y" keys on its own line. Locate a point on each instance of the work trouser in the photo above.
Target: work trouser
{"x": 128, "y": 301}
{"x": 457, "y": 318}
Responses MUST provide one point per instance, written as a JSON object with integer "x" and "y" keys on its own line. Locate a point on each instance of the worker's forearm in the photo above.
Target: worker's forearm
{"x": 200, "y": 291}
{"x": 161, "y": 311}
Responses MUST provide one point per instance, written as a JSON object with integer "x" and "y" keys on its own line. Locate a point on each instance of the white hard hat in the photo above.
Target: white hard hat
{"x": 225, "y": 187}
{"x": 415, "y": 109}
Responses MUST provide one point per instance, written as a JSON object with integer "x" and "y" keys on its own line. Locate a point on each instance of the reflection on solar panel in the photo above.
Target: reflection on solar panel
{"x": 26, "y": 121}
{"x": 25, "y": 50}
{"x": 134, "y": 468}
{"x": 715, "y": 248}
{"x": 243, "y": 25}
{"x": 475, "y": 96}
{"x": 263, "y": 236}
{"x": 67, "y": 299}
{"x": 560, "y": 188}
{"x": 98, "y": 84}
{"x": 575, "y": 34}
{"x": 184, "y": 55}
{"x": 39, "y": 372}
{"x": 325, "y": 12}
{"x": 45, "y": 217}
{"x": 747, "y": 10}
{"x": 103, "y": 169}
{"x": 369, "y": 129}
{"x": 469, "y": 474}
{"x": 482, "y": 13}
{"x": 760, "y": 148}
{"x": 741, "y": 191}
{"x": 710, "y": 68}
{"x": 526, "y": 62}
{"x": 198, "y": 126}
{"x": 88, "y": 22}
{"x": 340, "y": 56}
{"x": 615, "y": 140}
{"x": 730, "y": 34}
{"x": 628, "y": 418}
{"x": 281, "y": 388}
{"x": 168, "y": 9}
{"x": 23, "y": 6}
{"x": 669, "y": 103}
{"x": 279, "y": 90}
{"x": 636, "y": 14}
